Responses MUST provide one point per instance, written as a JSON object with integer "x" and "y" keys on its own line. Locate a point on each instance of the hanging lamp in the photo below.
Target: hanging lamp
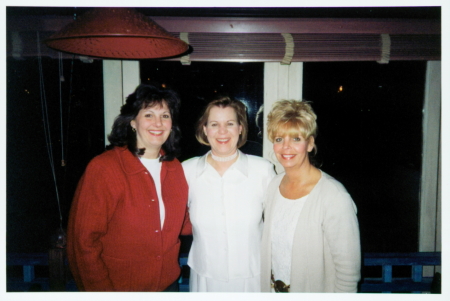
{"x": 120, "y": 33}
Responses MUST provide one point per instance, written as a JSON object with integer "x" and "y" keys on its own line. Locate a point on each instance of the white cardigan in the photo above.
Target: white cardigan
{"x": 326, "y": 252}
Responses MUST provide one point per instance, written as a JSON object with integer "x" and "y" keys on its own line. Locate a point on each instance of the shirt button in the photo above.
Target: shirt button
{"x": 153, "y": 200}
{"x": 156, "y": 231}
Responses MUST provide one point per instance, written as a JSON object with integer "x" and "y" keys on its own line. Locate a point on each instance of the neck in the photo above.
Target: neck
{"x": 220, "y": 166}
{"x": 224, "y": 159}
{"x": 149, "y": 154}
{"x": 302, "y": 174}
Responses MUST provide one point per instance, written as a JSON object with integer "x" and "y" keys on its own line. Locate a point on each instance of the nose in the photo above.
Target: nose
{"x": 158, "y": 122}
{"x": 222, "y": 129}
{"x": 286, "y": 142}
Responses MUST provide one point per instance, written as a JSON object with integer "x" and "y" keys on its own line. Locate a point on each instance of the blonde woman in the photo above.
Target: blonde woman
{"x": 311, "y": 235}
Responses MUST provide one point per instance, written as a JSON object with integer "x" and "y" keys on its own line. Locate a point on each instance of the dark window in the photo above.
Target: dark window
{"x": 370, "y": 139}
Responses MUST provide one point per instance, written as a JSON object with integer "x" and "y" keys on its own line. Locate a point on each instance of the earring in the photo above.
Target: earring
{"x": 133, "y": 129}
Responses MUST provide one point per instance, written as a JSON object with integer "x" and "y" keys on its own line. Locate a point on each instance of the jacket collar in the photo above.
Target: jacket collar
{"x": 241, "y": 164}
{"x": 132, "y": 165}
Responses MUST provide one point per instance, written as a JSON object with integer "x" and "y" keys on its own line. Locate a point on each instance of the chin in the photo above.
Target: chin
{"x": 287, "y": 164}
{"x": 222, "y": 150}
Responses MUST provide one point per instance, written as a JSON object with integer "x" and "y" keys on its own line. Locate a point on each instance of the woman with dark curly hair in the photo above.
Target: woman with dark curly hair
{"x": 130, "y": 205}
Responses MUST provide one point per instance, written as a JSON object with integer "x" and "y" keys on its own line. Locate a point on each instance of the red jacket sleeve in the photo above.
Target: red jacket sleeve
{"x": 187, "y": 226}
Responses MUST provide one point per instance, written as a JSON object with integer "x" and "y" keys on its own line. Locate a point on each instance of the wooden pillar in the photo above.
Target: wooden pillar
{"x": 430, "y": 194}
{"x": 120, "y": 78}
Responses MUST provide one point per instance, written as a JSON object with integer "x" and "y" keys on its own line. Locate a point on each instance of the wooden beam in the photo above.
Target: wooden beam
{"x": 254, "y": 25}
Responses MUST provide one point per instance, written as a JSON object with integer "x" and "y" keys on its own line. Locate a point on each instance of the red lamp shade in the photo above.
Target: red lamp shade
{"x": 121, "y": 33}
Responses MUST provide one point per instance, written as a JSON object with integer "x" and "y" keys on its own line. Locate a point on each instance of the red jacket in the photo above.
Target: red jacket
{"x": 115, "y": 242}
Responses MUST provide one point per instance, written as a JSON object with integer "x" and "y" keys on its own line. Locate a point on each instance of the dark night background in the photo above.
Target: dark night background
{"x": 370, "y": 136}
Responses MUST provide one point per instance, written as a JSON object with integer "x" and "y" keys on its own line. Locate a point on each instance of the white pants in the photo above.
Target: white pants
{"x": 199, "y": 283}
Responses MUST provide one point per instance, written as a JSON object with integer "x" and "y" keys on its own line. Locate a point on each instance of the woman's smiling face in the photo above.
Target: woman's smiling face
{"x": 153, "y": 125}
{"x": 222, "y": 131}
{"x": 292, "y": 150}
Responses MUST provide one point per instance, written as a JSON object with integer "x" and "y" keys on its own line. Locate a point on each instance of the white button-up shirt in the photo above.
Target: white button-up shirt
{"x": 226, "y": 216}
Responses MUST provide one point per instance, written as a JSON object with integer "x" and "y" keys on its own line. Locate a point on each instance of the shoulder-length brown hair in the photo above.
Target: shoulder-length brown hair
{"x": 241, "y": 114}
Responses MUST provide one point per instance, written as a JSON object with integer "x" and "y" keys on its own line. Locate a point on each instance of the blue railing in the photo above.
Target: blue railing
{"x": 184, "y": 281}
{"x": 386, "y": 282}
{"x": 54, "y": 272}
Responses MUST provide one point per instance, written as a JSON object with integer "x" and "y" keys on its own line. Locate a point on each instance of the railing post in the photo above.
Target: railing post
{"x": 387, "y": 274}
{"x": 417, "y": 271}
{"x": 28, "y": 273}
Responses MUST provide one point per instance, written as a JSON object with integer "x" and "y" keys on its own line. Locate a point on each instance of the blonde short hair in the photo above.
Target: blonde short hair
{"x": 293, "y": 118}
{"x": 241, "y": 114}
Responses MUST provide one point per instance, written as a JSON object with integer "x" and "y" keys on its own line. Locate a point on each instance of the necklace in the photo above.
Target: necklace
{"x": 224, "y": 159}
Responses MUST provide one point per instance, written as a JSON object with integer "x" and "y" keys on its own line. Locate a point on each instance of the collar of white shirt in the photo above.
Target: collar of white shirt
{"x": 241, "y": 164}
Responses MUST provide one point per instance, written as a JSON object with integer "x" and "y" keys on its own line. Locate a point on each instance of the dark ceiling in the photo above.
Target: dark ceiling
{"x": 242, "y": 12}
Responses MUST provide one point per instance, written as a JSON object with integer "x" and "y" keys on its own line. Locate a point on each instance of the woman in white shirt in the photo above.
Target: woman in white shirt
{"x": 226, "y": 192}
{"x": 311, "y": 235}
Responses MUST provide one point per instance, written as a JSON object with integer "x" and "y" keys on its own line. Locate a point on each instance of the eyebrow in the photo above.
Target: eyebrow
{"x": 292, "y": 135}
{"x": 235, "y": 120}
{"x": 151, "y": 110}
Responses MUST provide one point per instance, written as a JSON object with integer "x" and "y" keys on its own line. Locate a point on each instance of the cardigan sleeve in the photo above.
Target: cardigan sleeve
{"x": 341, "y": 230}
{"x": 92, "y": 207}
